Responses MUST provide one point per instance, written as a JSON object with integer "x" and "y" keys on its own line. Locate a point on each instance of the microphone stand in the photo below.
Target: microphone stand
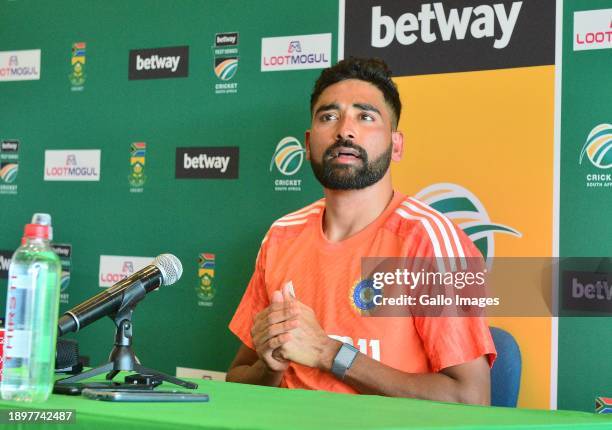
{"x": 122, "y": 357}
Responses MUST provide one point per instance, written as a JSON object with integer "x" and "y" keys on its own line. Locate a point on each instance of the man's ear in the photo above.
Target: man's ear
{"x": 307, "y": 143}
{"x": 397, "y": 140}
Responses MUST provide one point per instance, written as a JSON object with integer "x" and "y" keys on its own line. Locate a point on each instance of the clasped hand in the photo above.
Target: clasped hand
{"x": 288, "y": 330}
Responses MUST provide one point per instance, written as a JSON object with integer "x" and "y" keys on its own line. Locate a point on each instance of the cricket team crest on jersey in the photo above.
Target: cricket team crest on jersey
{"x": 361, "y": 296}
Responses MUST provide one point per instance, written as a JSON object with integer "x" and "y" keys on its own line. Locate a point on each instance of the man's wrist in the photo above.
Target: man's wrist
{"x": 328, "y": 353}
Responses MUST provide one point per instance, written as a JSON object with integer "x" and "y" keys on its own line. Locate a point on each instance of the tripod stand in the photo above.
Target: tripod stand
{"x": 122, "y": 357}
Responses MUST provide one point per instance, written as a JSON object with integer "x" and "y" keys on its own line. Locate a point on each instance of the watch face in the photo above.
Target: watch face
{"x": 345, "y": 357}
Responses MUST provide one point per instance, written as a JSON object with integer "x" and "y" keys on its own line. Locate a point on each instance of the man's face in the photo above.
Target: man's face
{"x": 350, "y": 144}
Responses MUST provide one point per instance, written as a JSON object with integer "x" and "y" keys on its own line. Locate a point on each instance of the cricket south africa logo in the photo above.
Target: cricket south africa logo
{"x": 467, "y": 211}
{"x": 225, "y": 66}
{"x": 598, "y": 147}
{"x": 288, "y": 156}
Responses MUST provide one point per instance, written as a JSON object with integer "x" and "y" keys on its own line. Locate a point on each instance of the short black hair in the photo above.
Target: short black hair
{"x": 372, "y": 70}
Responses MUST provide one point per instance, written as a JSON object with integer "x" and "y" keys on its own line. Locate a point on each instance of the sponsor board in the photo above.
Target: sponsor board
{"x": 114, "y": 268}
{"x": 593, "y": 29}
{"x": 159, "y": 63}
{"x": 9, "y": 166}
{"x": 309, "y": 51}
{"x": 425, "y": 37}
{"x": 72, "y": 165}
{"x": 20, "y": 65}
{"x": 225, "y": 62}
{"x": 206, "y": 162}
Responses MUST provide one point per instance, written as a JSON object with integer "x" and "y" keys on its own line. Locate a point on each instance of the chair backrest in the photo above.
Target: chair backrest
{"x": 506, "y": 371}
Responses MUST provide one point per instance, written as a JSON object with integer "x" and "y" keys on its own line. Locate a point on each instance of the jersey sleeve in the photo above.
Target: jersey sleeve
{"x": 450, "y": 341}
{"x": 254, "y": 300}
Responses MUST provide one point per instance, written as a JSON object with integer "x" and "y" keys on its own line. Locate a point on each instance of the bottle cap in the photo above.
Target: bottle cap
{"x": 39, "y": 228}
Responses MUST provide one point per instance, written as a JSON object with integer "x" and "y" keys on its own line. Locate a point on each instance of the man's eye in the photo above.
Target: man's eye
{"x": 328, "y": 117}
{"x": 366, "y": 117}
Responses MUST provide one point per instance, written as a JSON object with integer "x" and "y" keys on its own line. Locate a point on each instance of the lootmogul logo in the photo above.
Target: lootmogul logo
{"x": 593, "y": 29}
{"x": 77, "y": 62}
{"x": 598, "y": 149}
{"x": 137, "y": 176}
{"x": 72, "y": 165}
{"x": 114, "y": 268}
{"x": 463, "y": 207}
{"x": 312, "y": 51}
{"x": 158, "y": 63}
{"x": 288, "y": 158}
{"x": 207, "y": 162}
{"x": 20, "y": 65}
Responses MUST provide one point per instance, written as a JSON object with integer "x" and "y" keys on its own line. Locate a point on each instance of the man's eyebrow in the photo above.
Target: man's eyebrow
{"x": 366, "y": 107}
{"x": 330, "y": 106}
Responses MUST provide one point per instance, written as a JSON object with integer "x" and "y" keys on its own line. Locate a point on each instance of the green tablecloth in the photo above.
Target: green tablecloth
{"x": 237, "y": 406}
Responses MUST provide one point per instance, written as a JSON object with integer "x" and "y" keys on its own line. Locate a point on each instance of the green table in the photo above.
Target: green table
{"x": 237, "y": 406}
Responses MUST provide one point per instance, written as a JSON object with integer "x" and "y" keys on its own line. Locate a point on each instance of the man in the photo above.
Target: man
{"x": 298, "y": 323}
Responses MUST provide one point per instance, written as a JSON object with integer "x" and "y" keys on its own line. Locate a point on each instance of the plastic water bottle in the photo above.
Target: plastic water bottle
{"x": 31, "y": 316}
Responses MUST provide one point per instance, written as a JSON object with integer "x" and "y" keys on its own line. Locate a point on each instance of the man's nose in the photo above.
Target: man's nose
{"x": 346, "y": 128}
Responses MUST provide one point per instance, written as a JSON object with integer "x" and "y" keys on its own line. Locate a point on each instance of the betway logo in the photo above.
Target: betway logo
{"x": 451, "y": 24}
{"x": 156, "y": 62}
{"x": 226, "y": 39}
{"x": 599, "y": 290}
{"x": 4, "y": 263}
{"x": 205, "y": 162}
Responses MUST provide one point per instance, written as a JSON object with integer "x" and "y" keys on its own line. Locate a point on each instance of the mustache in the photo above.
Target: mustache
{"x": 345, "y": 143}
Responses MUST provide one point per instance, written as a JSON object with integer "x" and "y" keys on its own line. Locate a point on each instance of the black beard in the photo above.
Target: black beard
{"x": 348, "y": 177}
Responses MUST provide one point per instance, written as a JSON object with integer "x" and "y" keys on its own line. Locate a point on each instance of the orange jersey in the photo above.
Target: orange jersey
{"x": 325, "y": 274}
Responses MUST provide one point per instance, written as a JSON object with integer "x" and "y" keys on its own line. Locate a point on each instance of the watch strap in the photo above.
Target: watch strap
{"x": 343, "y": 360}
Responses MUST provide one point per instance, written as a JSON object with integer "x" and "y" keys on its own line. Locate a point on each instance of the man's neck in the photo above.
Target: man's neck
{"x": 349, "y": 212}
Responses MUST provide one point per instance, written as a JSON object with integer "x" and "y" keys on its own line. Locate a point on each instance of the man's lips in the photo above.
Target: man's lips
{"x": 343, "y": 153}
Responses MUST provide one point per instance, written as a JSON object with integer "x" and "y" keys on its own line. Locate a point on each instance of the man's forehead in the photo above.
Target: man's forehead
{"x": 350, "y": 90}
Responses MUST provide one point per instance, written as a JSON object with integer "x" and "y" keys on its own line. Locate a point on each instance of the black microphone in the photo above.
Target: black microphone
{"x": 165, "y": 269}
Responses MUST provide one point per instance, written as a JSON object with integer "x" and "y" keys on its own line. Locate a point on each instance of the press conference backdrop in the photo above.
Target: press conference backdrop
{"x": 159, "y": 126}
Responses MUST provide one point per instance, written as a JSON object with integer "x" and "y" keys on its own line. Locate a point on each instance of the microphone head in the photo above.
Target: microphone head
{"x": 170, "y": 267}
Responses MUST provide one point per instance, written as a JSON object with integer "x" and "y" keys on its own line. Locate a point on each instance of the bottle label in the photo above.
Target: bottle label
{"x": 18, "y": 337}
